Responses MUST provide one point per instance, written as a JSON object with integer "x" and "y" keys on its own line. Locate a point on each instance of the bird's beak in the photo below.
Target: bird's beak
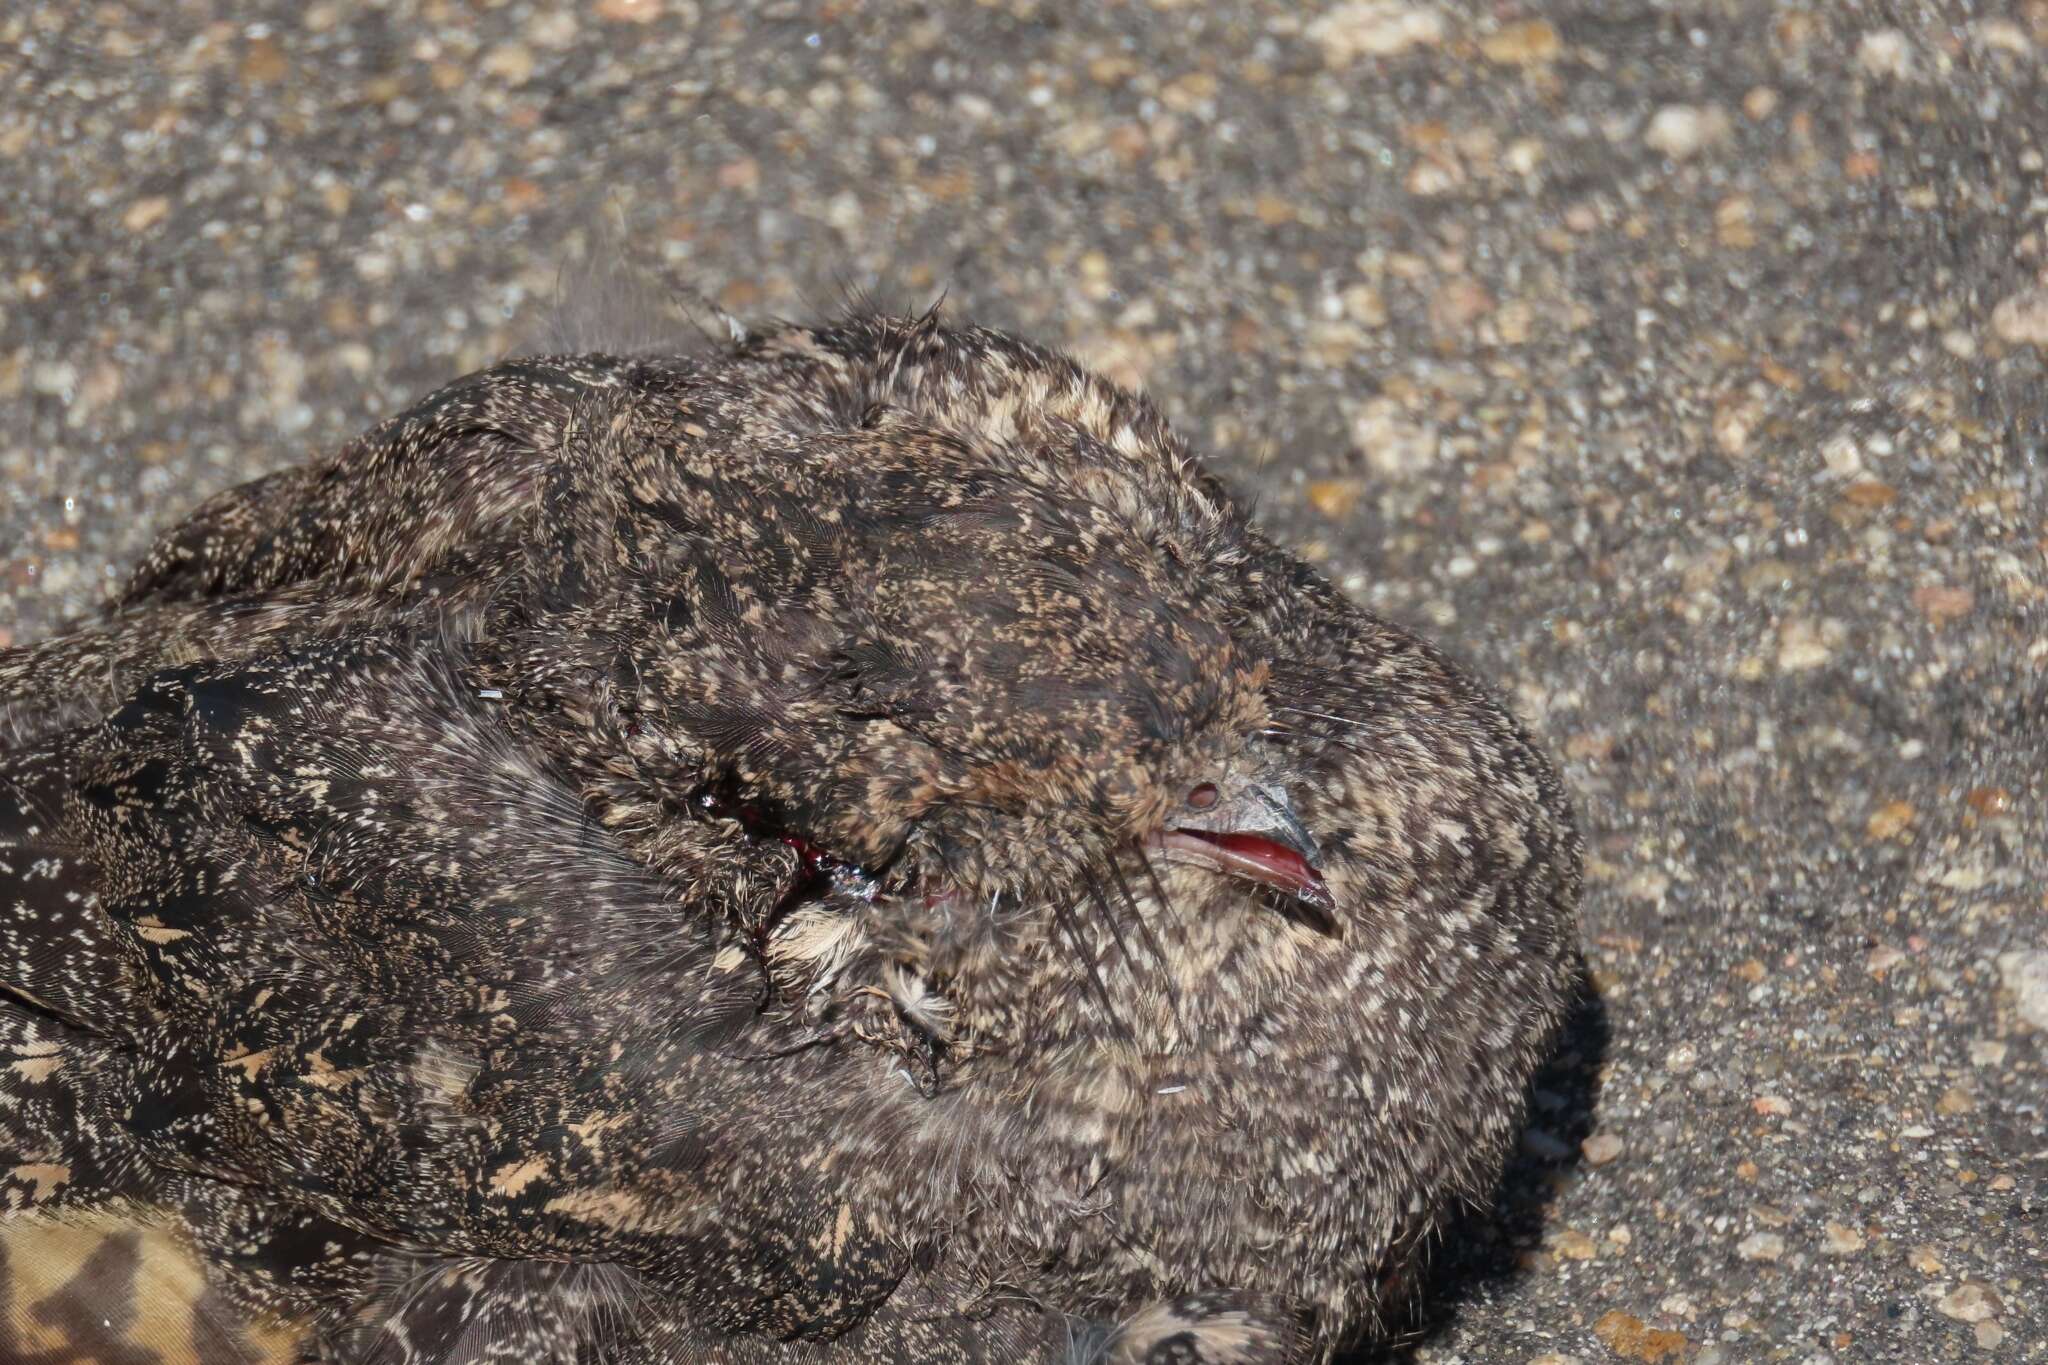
{"x": 1249, "y": 830}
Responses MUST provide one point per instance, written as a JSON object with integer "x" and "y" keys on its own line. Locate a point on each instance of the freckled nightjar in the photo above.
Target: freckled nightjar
{"x": 848, "y": 846}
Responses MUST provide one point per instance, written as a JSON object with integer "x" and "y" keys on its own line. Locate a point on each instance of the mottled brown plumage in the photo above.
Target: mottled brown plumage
{"x": 847, "y": 849}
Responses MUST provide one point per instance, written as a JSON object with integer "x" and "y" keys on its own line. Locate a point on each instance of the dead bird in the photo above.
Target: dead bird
{"x": 847, "y": 848}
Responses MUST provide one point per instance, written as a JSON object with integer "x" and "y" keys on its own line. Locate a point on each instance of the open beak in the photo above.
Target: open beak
{"x": 1249, "y": 830}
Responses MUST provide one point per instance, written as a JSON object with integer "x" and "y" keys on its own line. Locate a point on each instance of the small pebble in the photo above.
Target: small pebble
{"x": 1334, "y": 498}
{"x": 1839, "y": 1239}
{"x": 628, "y": 11}
{"x": 1602, "y": 1148}
{"x": 2002, "y": 35}
{"x": 56, "y": 378}
{"x": 1629, "y": 1337}
{"x": 1761, "y": 1246}
{"x": 2025, "y": 974}
{"x": 1842, "y": 456}
{"x": 1969, "y": 1302}
{"x": 1526, "y": 43}
{"x": 1989, "y": 801}
{"x": 1889, "y": 820}
{"x": 512, "y": 63}
{"x": 1940, "y": 605}
{"x": 1734, "y": 419}
{"x": 1680, "y": 131}
{"x": 2022, "y": 319}
{"x": 1802, "y": 645}
{"x": 1573, "y": 1245}
{"x": 1374, "y": 28}
{"x": 1392, "y": 444}
{"x": 146, "y": 213}
{"x": 1885, "y": 52}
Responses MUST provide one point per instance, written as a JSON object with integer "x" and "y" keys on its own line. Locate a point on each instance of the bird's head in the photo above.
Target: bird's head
{"x": 1043, "y": 690}
{"x": 971, "y": 630}
{"x": 974, "y": 679}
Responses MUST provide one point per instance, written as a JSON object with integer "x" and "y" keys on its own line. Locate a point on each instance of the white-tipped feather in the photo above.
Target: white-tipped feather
{"x": 930, "y": 1013}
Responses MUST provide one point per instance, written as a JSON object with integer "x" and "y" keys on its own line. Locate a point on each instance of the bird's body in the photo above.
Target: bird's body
{"x": 852, "y": 849}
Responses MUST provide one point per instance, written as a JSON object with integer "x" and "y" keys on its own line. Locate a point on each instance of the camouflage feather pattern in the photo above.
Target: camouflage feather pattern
{"x": 847, "y": 849}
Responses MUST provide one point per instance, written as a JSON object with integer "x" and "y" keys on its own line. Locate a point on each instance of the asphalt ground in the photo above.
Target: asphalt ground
{"x": 1680, "y": 367}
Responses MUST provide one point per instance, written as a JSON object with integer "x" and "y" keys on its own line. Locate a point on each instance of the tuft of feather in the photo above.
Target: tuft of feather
{"x": 926, "y": 1011}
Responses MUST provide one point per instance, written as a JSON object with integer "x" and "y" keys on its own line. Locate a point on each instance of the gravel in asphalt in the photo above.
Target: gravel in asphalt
{"x": 1681, "y": 367}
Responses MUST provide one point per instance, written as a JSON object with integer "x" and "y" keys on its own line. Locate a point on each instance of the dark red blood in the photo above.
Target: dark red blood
{"x": 816, "y": 860}
{"x": 816, "y": 863}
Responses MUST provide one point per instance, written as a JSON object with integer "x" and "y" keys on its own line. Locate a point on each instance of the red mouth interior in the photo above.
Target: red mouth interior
{"x": 1255, "y": 858}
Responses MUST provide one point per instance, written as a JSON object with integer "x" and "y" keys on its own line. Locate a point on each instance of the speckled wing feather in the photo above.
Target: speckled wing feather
{"x": 267, "y": 904}
{"x": 97, "y": 1263}
{"x": 321, "y": 864}
{"x": 466, "y": 459}
{"x": 417, "y": 517}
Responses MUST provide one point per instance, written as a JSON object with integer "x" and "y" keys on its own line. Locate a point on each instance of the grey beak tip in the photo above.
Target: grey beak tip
{"x": 1286, "y": 826}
